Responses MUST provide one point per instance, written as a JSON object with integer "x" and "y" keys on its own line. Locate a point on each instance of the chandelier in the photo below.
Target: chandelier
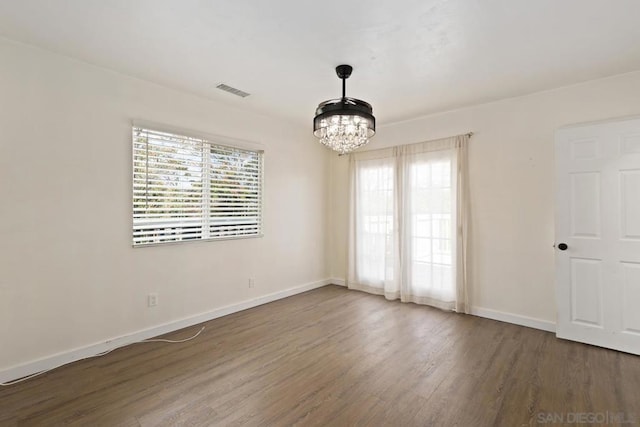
{"x": 344, "y": 124}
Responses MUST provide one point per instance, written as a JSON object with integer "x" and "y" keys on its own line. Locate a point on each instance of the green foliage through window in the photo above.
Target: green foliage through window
{"x": 187, "y": 188}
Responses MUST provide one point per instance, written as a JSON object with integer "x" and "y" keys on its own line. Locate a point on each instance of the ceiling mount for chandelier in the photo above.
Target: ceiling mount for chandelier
{"x": 344, "y": 124}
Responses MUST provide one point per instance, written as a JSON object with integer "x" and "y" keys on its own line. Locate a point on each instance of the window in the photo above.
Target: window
{"x": 431, "y": 224}
{"x": 423, "y": 207}
{"x": 375, "y": 225}
{"x": 407, "y": 227}
{"x": 187, "y": 188}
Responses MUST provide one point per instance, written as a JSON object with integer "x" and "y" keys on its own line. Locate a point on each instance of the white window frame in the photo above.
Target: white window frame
{"x": 181, "y": 222}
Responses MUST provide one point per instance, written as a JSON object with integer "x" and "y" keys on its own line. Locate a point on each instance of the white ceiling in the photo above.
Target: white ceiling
{"x": 410, "y": 57}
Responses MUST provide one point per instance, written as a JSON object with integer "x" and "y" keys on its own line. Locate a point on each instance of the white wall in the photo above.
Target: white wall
{"x": 70, "y": 278}
{"x": 511, "y": 158}
{"x": 68, "y": 274}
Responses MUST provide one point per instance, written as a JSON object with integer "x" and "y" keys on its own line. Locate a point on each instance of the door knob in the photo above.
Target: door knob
{"x": 563, "y": 246}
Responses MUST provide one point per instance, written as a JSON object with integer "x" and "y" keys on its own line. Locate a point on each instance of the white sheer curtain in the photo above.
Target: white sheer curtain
{"x": 408, "y": 223}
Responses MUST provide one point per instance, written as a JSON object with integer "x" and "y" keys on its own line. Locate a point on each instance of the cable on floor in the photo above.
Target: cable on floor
{"x": 104, "y": 353}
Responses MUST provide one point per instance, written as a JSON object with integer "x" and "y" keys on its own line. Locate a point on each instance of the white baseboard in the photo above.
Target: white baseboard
{"x": 64, "y": 358}
{"x": 501, "y": 316}
{"x": 516, "y": 319}
{"x": 336, "y": 281}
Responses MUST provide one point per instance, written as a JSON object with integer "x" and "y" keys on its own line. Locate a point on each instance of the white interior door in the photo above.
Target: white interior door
{"x": 598, "y": 219}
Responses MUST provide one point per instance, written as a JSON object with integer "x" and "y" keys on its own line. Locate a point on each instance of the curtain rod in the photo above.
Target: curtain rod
{"x": 469, "y": 134}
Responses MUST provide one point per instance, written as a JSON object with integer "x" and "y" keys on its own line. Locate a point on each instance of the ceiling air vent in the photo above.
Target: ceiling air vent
{"x": 233, "y": 90}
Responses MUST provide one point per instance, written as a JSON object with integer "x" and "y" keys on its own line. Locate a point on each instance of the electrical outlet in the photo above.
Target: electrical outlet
{"x": 152, "y": 300}
{"x": 252, "y": 283}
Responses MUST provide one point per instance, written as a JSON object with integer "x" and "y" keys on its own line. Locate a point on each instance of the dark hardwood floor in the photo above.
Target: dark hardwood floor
{"x": 333, "y": 357}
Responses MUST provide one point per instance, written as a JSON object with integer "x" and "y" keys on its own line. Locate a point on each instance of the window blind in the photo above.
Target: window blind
{"x": 187, "y": 188}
